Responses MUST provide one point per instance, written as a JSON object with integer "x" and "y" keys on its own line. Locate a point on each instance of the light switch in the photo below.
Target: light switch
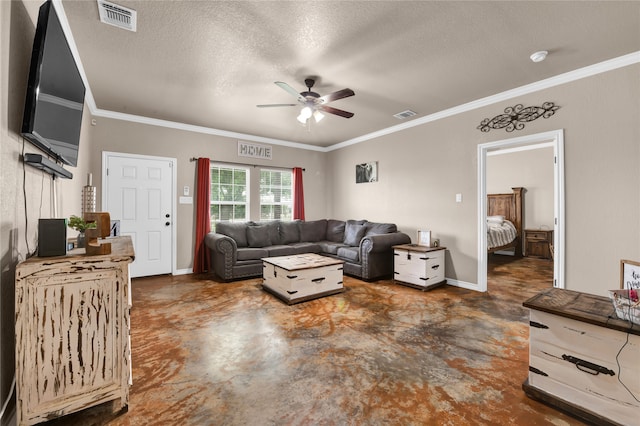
{"x": 458, "y": 198}
{"x": 185, "y": 191}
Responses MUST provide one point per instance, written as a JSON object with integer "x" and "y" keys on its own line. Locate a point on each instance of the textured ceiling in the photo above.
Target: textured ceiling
{"x": 209, "y": 63}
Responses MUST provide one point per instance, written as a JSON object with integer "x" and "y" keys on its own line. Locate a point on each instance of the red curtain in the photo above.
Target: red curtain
{"x": 298, "y": 194}
{"x": 203, "y": 224}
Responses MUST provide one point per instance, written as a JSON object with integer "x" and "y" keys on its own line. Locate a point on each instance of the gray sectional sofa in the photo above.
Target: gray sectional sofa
{"x": 236, "y": 249}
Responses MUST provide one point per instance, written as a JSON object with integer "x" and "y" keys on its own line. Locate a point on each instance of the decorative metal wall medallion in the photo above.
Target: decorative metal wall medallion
{"x": 515, "y": 117}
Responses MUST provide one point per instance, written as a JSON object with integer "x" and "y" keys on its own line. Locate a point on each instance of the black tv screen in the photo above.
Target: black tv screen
{"x": 55, "y": 92}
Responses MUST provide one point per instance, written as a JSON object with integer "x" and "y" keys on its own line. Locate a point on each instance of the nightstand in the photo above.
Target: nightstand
{"x": 538, "y": 243}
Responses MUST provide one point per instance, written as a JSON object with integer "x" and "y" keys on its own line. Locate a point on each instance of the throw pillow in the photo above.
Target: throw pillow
{"x": 258, "y": 236}
{"x": 353, "y": 234}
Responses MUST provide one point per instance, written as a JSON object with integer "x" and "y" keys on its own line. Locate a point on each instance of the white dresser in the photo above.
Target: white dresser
{"x": 418, "y": 266}
{"x": 581, "y": 357}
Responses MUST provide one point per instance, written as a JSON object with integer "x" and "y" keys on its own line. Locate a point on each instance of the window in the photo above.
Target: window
{"x": 229, "y": 194}
{"x": 276, "y": 195}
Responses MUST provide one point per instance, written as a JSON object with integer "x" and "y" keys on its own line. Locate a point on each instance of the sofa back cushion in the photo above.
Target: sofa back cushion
{"x": 313, "y": 231}
{"x": 381, "y": 228}
{"x": 335, "y": 231}
{"x": 353, "y": 233}
{"x": 258, "y": 236}
{"x": 289, "y": 232}
{"x": 236, "y": 231}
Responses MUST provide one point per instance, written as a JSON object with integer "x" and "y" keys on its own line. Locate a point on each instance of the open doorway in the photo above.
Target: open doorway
{"x": 524, "y": 175}
{"x": 555, "y": 143}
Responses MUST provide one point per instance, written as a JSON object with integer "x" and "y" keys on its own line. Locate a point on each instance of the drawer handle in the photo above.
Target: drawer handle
{"x": 292, "y": 276}
{"x": 340, "y": 268}
{"x": 424, "y": 279}
{"x": 434, "y": 267}
{"x": 537, "y": 325}
{"x": 424, "y": 258}
{"x": 540, "y": 372}
{"x": 397, "y": 273}
{"x": 292, "y": 292}
{"x": 275, "y": 272}
{"x": 396, "y": 254}
{"x": 588, "y": 367}
{"x": 408, "y": 256}
{"x": 317, "y": 280}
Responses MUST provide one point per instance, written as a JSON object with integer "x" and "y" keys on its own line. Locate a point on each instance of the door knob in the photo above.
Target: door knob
{"x": 167, "y": 223}
{"x": 167, "y": 215}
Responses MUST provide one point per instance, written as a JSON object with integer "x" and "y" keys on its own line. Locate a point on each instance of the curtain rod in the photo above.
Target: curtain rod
{"x": 245, "y": 164}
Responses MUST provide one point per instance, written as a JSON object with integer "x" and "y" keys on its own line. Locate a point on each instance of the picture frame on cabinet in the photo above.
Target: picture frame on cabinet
{"x": 424, "y": 238}
{"x": 629, "y": 274}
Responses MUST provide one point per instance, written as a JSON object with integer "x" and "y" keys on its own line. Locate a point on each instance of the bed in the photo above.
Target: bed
{"x": 505, "y": 221}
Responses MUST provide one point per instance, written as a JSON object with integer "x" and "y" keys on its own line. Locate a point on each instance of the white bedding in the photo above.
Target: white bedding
{"x": 500, "y": 234}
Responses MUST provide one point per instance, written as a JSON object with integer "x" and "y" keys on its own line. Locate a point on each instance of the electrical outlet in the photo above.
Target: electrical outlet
{"x": 185, "y": 191}
{"x": 458, "y": 198}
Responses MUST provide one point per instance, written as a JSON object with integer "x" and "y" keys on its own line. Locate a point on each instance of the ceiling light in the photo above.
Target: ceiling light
{"x": 539, "y": 56}
{"x": 318, "y": 116}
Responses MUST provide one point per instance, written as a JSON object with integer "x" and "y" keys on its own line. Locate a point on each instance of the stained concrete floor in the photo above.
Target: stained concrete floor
{"x": 211, "y": 353}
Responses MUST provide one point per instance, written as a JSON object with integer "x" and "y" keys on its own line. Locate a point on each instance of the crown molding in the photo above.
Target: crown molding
{"x": 588, "y": 71}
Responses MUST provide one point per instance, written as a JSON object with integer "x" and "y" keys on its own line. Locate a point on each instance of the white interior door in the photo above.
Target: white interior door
{"x": 138, "y": 191}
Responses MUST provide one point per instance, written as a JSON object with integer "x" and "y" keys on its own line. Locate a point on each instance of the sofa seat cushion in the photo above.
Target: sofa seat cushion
{"x": 306, "y": 248}
{"x": 281, "y": 250}
{"x": 349, "y": 253}
{"x": 330, "y": 247}
{"x": 249, "y": 253}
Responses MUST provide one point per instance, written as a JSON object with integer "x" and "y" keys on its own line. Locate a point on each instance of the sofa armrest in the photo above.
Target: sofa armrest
{"x": 382, "y": 242}
{"x": 224, "y": 253}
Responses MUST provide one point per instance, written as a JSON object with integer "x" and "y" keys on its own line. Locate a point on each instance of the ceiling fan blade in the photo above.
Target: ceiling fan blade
{"x": 275, "y": 105}
{"x": 344, "y": 93}
{"x": 336, "y": 111}
{"x": 290, "y": 90}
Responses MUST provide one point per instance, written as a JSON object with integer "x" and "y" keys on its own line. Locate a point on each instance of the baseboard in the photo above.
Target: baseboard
{"x": 183, "y": 271}
{"x": 463, "y": 284}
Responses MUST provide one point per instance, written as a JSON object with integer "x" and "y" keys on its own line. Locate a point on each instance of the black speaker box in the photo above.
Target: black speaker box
{"x": 52, "y": 237}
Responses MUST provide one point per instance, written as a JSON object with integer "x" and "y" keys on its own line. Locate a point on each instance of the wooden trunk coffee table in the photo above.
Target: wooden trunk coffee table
{"x": 302, "y": 277}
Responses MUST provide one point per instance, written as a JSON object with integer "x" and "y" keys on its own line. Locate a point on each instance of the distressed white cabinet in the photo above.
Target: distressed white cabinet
{"x": 418, "y": 266}
{"x": 72, "y": 332}
{"x": 582, "y": 358}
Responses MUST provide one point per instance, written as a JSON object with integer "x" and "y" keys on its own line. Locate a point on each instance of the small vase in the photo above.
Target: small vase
{"x": 81, "y": 240}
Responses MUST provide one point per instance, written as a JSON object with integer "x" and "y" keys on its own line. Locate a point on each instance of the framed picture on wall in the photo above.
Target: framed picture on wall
{"x": 629, "y": 274}
{"x": 424, "y": 238}
{"x": 367, "y": 172}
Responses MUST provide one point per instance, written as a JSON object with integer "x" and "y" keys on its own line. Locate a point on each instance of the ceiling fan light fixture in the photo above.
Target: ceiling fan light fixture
{"x": 302, "y": 119}
{"x": 318, "y": 116}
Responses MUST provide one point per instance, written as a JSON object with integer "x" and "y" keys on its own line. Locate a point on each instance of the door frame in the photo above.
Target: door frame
{"x": 174, "y": 173}
{"x": 554, "y": 138}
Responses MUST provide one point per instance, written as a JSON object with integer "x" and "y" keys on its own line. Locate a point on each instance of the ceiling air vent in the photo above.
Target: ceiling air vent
{"x": 404, "y": 114}
{"x": 117, "y": 16}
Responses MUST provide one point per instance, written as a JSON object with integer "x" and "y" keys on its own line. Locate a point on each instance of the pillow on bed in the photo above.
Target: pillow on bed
{"x": 495, "y": 220}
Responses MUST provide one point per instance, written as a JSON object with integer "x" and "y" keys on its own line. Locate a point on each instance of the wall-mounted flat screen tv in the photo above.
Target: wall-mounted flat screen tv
{"x": 55, "y": 92}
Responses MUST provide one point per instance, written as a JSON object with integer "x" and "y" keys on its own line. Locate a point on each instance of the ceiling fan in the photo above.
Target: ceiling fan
{"x": 313, "y": 103}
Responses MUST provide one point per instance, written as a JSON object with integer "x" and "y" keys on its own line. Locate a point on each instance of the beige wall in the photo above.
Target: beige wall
{"x": 134, "y": 138}
{"x": 532, "y": 170}
{"x": 422, "y": 168}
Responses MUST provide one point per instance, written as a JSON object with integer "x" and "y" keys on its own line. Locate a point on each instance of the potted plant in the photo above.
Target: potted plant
{"x": 80, "y": 225}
